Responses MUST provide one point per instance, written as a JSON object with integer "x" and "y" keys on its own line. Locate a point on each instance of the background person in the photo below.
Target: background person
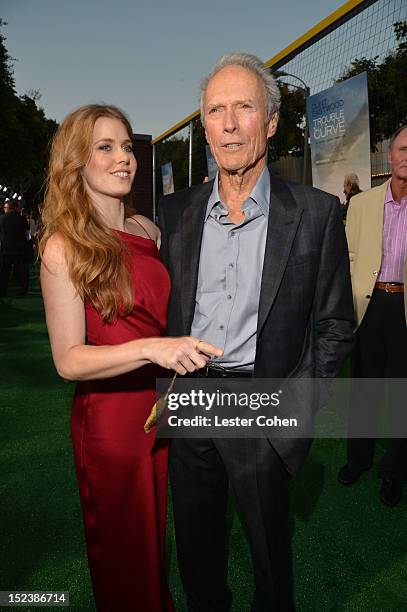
{"x": 106, "y": 291}
{"x": 29, "y": 249}
{"x": 259, "y": 267}
{"x": 377, "y": 236}
{"x": 13, "y": 245}
{"x": 350, "y": 188}
{"x": 35, "y": 227}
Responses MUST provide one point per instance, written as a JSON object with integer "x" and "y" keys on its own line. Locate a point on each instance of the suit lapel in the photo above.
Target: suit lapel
{"x": 191, "y": 239}
{"x": 284, "y": 217}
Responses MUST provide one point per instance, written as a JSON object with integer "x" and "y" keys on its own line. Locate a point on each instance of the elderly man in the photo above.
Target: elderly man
{"x": 377, "y": 236}
{"x": 350, "y": 188}
{"x": 259, "y": 267}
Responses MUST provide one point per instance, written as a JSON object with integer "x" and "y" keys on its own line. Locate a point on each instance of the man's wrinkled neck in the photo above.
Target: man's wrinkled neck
{"x": 235, "y": 187}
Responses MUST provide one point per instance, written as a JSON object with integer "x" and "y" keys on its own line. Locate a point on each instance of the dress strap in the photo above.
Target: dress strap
{"x": 142, "y": 227}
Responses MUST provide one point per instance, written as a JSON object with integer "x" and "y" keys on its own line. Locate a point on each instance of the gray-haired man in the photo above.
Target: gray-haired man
{"x": 259, "y": 267}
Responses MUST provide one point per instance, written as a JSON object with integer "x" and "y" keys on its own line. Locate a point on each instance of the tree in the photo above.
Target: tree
{"x": 387, "y": 94}
{"x": 25, "y": 134}
{"x": 289, "y": 138}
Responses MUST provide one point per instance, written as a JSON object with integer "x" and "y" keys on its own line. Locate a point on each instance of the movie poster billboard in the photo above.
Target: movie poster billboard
{"x": 338, "y": 120}
{"x": 168, "y": 178}
{"x": 211, "y": 163}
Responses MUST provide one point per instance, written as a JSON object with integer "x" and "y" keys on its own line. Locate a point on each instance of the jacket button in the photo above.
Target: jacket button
{"x": 368, "y": 297}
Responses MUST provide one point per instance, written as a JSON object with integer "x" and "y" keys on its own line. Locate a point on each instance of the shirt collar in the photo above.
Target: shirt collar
{"x": 259, "y": 194}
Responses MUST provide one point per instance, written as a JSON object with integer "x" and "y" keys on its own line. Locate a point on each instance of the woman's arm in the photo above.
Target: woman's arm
{"x": 74, "y": 360}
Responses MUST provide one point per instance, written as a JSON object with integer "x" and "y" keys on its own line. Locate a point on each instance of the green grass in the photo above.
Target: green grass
{"x": 350, "y": 552}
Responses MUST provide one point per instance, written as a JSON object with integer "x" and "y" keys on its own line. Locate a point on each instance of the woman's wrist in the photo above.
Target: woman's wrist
{"x": 147, "y": 349}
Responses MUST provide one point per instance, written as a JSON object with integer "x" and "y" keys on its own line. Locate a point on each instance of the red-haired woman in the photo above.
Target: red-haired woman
{"x": 105, "y": 292}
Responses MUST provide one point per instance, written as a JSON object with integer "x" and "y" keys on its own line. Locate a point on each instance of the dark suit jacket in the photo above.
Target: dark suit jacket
{"x": 12, "y": 234}
{"x": 306, "y": 318}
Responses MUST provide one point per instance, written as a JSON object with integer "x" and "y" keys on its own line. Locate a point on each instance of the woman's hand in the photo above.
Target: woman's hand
{"x": 183, "y": 354}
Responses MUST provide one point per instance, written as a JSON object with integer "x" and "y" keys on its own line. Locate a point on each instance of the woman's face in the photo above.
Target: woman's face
{"x": 112, "y": 166}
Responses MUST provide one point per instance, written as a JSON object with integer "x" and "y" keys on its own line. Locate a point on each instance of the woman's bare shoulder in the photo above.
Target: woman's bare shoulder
{"x": 54, "y": 255}
{"x": 149, "y": 227}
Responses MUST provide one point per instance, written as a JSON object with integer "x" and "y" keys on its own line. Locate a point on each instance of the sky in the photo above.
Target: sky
{"x": 147, "y": 57}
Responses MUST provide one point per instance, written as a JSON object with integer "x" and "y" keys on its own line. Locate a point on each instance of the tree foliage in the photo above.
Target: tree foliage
{"x": 25, "y": 133}
{"x": 386, "y": 85}
{"x": 289, "y": 138}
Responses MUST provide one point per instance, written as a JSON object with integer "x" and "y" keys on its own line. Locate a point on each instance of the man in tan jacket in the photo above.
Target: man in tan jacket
{"x": 377, "y": 237}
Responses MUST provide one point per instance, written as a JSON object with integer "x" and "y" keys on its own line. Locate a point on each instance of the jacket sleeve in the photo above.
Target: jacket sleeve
{"x": 333, "y": 305}
{"x": 163, "y": 229}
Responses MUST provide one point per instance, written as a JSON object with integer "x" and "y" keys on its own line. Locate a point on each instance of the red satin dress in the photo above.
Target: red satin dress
{"x": 122, "y": 471}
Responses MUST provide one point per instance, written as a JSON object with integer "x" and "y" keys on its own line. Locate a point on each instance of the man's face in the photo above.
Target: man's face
{"x": 236, "y": 124}
{"x": 7, "y": 208}
{"x": 398, "y": 156}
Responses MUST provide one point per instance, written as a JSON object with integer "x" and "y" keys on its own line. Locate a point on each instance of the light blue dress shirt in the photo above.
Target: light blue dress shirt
{"x": 229, "y": 276}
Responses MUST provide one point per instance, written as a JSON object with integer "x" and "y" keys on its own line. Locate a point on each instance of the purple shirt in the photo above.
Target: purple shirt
{"x": 394, "y": 239}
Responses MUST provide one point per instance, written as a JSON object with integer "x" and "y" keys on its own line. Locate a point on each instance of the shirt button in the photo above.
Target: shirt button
{"x": 232, "y": 234}
{"x": 231, "y": 265}
{"x": 375, "y": 273}
{"x": 229, "y": 297}
{"x": 221, "y": 327}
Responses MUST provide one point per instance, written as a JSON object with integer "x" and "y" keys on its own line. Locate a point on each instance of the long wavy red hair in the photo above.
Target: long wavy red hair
{"x": 95, "y": 256}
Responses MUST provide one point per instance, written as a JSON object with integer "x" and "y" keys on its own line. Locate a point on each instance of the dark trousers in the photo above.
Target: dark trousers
{"x": 200, "y": 471}
{"x": 380, "y": 351}
{"x": 20, "y": 266}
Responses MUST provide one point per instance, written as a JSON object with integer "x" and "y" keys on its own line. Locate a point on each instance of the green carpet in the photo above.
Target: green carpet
{"x": 350, "y": 552}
